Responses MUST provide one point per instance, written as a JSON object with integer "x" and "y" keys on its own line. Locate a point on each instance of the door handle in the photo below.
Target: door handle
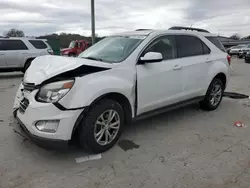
{"x": 209, "y": 61}
{"x": 177, "y": 67}
{"x": 1, "y": 54}
{"x": 25, "y": 53}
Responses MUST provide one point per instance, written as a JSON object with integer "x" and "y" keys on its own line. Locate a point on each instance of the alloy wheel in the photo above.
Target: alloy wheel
{"x": 216, "y": 95}
{"x": 107, "y": 127}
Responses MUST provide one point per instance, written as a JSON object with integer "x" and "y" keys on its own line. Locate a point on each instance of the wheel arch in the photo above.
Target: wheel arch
{"x": 222, "y": 77}
{"x": 118, "y": 97}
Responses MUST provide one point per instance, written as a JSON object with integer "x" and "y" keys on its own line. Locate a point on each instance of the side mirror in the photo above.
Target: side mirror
{"x": 151, "y": 57}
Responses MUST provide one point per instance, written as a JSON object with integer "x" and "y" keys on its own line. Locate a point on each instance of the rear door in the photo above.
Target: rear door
{"x": 194, "y": 57}
{"x": 2, "y": 54}
{"x": 15, "y": 53}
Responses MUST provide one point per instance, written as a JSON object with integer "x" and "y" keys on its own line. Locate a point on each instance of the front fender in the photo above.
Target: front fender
{"x": 90, "y": 87}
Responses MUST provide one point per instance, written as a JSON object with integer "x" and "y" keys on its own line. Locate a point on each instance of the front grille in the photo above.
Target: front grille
{"x": 29, "y": 86}
{"x": 23, "y": 105}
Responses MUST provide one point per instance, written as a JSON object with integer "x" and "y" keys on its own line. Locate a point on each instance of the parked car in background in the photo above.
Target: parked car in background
{"x": 244, "y": 51}
{"x": 75, "y": 48}
{"x": 228, "y": 49}
{"x": 123, "y": 77}
{"x": 247, "y": 57}
{"x": 236, "y": 49}
{"x": 16, "y": 54}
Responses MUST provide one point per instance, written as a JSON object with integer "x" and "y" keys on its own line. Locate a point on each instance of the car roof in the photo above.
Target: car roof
{"x": 21, "y": 38}
{"x": 147, "y": 32}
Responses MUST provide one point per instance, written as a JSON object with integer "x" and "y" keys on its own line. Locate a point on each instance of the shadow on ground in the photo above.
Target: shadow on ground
{"x": 10, "y": 75}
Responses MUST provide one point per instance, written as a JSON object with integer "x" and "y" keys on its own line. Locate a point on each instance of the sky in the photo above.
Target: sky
{"x": 40, "y": 17}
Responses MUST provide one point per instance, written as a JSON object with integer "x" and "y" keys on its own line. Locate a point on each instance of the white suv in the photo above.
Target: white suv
{"x": 18, "y": 53}
{"x": 123, "y": 77}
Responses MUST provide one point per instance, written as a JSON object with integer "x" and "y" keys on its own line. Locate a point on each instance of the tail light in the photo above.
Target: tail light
{"x": 229, "y": 59}
{"x": 50, "y": 51}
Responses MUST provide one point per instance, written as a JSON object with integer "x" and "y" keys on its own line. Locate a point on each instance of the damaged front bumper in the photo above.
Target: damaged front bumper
{"x": 35, "y": 112}
{"x": 40, "y": 141}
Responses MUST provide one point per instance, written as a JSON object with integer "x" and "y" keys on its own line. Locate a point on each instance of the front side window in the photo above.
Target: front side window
{"x": 164, "y": 45}
{"x": 15, "y": 45}
{"x": 188, "y": 46}
{"x": 113, "y": 49}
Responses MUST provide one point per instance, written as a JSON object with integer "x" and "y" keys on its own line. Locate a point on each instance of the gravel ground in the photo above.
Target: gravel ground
{"x": 183, "y": 148}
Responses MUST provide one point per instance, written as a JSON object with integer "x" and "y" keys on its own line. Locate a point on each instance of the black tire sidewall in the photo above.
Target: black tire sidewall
{"x": 207, "y": 97}
{"x": 87, "y": 139}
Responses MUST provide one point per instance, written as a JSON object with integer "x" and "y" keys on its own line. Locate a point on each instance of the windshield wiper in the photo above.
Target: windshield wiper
{"x": 93, "y": 58}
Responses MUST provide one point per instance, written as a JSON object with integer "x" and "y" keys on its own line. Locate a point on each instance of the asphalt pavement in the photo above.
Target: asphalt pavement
{"x": 185, "y": 148}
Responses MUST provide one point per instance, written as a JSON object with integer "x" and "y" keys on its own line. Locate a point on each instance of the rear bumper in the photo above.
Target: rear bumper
{"x": 43, "y": 142}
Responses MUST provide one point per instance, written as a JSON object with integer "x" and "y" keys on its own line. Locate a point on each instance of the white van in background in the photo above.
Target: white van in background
{"x": 16, "y": 54}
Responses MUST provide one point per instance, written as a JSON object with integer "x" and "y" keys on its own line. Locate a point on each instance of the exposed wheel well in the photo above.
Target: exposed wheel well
{"x": 222, "y": 77}
{"x": 122, "y": 100}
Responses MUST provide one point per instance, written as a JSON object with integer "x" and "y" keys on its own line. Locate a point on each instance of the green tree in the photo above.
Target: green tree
{"x": 14, "y": 33}
{"x": 235, "y": 36}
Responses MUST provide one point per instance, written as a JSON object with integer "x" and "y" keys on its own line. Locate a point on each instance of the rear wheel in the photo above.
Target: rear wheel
{"x": 214, "y": 95}
{"x": 102, "y": 126}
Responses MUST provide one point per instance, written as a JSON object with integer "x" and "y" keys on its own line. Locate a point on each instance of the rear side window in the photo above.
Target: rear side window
{"x": 15, "y": 45}
{"x": 38, "y": 44}
{"x": 189, "y": 46}
{"x": 217, "y": 43}
{"x": 1, "y": 45}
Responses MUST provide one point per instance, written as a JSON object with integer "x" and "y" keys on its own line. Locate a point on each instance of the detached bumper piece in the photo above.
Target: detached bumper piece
{"x": 43, "y": 142}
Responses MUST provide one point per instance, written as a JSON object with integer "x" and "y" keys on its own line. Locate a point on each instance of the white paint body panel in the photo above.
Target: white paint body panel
{"x": 18, "y": 58}
{"x": 158, "y": 84}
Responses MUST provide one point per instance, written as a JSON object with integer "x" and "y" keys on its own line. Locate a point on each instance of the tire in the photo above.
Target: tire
{"x": 88, "y": 136}
{"x": 27, "y": 65}
{"x": 71, "y": 55}
{"x": 207, "y": 103}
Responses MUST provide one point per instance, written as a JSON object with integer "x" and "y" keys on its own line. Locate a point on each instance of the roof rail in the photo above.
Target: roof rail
{"x": 143, "y": 29}
{"x": 188, "y": 29}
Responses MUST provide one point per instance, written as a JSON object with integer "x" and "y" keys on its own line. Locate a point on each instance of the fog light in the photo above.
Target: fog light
{"x": 49, "y": 126}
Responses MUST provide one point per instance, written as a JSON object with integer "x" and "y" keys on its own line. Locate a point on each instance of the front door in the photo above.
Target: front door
{"x": 159, "y": 84}
{"x": 15, "y": 53}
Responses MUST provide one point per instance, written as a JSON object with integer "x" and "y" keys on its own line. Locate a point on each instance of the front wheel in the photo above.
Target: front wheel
{"x": 102, "y": 126}
{"x": 213, "y": 96}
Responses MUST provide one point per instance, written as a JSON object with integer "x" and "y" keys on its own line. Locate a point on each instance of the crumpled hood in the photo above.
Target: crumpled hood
{"x": 45, "y": 67}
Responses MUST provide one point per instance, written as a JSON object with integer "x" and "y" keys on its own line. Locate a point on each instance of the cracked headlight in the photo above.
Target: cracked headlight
{"x": 55, "y": 91}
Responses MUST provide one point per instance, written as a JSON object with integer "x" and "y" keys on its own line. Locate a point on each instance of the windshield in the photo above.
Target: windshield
{"x": 113, "y": 49}
{"x": 72, "y": 44}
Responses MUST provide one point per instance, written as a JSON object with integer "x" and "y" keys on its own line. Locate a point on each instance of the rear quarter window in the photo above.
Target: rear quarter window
{"x": 38, "y": 44}
{"x": 217, "y": 43}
